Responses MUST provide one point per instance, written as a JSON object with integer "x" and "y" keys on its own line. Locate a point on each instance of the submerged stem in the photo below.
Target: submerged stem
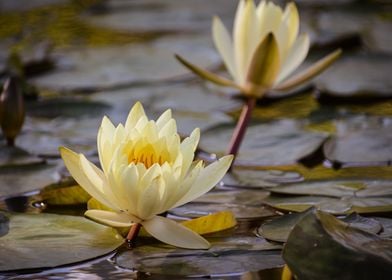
{"x": 132, "y": 234}
{"x": 241, "y": 126}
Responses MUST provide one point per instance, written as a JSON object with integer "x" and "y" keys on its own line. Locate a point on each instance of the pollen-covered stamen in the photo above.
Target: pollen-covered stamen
{"x": 147, "y": 155}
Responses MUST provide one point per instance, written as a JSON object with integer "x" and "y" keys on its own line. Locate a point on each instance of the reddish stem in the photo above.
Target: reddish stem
{"x": 132, "y": 234}
{"x": 241, "y": 126}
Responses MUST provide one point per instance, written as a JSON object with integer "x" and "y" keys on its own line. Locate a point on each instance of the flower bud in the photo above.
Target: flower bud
{"x": 12, "y": 110}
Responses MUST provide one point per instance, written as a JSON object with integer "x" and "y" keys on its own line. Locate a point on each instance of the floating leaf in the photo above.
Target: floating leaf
{"x": 331, "y": 205}
{"x": 16, "y": 180}
{"x": 241, "y": 212}
{"x": 47, "y": 241}
{"x": 319, "y": 246}
{"x": 368, "y": 144}
{"x": 240, "y": 197}
{"x": 266, "y": 144}
{"x": 211, "y": 223}
{"x": 67, "y": 193}
{"x": 338, "y": 188}
{"x": 13, "y": 156}
{"x": 279, "y": 228}
{"x": 227, "y": 256}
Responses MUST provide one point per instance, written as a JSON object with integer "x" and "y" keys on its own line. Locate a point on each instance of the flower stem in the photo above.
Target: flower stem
{"x": 132, "y": 234}
{"x": 241, "y": 126}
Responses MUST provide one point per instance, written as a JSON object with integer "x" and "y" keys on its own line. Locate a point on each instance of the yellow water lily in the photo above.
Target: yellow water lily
{"x": 264, "y": 51}
{"x": 146, "y": 170}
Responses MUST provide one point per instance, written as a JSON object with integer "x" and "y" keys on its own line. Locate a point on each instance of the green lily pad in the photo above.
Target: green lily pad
{"x": 94, "y": 69}
{"x": 16, "y": 180}
{"x": 266, "y": 144}
{"x": 279, "y": 228}
{"x": 241, "y": 212}
{"x": 66, "y": 107}
{"x": 4, "y": 224}
{"x": 366, "y": 144}
{"x": 241, "y": 197}
{"x": 64, "y": 193}
{"x": 320, "y": 245}
{"x": 43, "y": 137}
{"x": 337, "y": 206}
{"x": 13, "y": 156}
{"x": 227, "y": 256}
{"x": 339, "y": 188}
{"x": 259, "y": 179}
{"x": 188, "y": 121}
{"x": 192, "y": 98}
{"x": 47, "y": 241}
{"x": 366, "y": 75}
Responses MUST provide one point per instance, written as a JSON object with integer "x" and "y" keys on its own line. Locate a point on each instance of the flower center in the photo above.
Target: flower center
{"x": 148, "y": 156}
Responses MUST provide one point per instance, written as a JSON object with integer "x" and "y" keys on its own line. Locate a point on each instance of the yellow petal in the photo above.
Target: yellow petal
{"x": 113, "y": 219}
{"x": 130, "y": 180}
{"x": 310, "y": 72}
{"x": 134, "y": 115}
{"x": 207, "y": 75}
{"x": 265, "y": 63}
{"x": 174, "y": 234}
{"x": 207, "y": 179}
{"x": 211, "y": 223}
{"x": 72, "y": 162}
{"x": 224, "y": 46}
{"x": 296, "y": 56}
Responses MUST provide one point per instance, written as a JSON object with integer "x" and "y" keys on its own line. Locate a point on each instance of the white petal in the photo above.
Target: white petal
{"x": 291, "y": 17}
{"x": 98, "y": 179}
{"x": 224, "y": 46}
{"x": 149, "y": 199}
{"x": 207, "y": 179}
{"x": 244, "y": 39}
{"x": 134, "y": 115}
{"x": 169, "y": 129}
{"x": 175, "y": 234}
{"x": 104, "y": 140}
{"x": 130, "y": 180}
{"x": 164, "y": 118}
{"x": 72, "y": 162}
{"x": 113, "y": 219}
{"x": 188, "y": 147}
{"x": 296, "y": 56}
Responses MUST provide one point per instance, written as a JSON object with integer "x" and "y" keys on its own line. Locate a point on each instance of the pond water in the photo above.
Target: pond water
{"x": 326, "y": 144}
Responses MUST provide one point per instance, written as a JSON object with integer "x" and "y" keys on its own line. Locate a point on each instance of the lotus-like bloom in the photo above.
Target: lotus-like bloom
{"x": 147, "y": 170}
{"x": 264, "y": 51}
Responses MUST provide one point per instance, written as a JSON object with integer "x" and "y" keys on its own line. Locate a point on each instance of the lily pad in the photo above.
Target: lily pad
{"x": 66, "y": 107}
{"x": 227, "y": 256}
{"x": 241, "y": 197}
{"x": 14, "y": 156}
{"x": 43, "y": 137}
{"x": 339, "y": 188}
{"x": 47, "y": 241}
{"x": 241, "y": 212}
{"x": 266, "y": 144}
{"x": 364, "y": 75}
{"x": 368, "y": 144}
{"x": 20, "y": 179}
{"x": 259, "y": 179}
{"x": 169, "y": 15}
{"x": 337, "y": 206}
{"x": 94, "y": 69}
{"x": 279, "y": 228}
{"x": 192, "y": 98}
{"x": 320, "y": 245}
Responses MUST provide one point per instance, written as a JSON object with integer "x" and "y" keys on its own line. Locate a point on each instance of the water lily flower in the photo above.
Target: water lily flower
{"x": 264, "y": 51}
{"x": 146, "y": 170}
